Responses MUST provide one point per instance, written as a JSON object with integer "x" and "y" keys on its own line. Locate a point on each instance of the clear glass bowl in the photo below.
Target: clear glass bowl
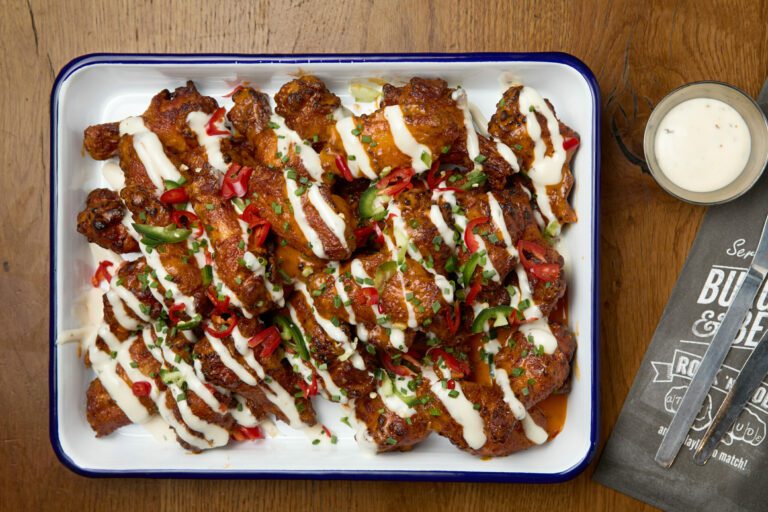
{"x": 758, "y": 130}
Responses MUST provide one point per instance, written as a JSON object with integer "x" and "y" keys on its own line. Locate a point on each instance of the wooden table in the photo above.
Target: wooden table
{"x": 638, "y": 51}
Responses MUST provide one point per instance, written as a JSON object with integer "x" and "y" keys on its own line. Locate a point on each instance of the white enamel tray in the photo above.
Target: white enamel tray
{"x": 98, "y": 88}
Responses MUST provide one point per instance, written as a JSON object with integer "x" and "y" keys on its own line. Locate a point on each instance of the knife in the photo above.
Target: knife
{"x": 719, "y": 347}
{"x": 750, "y": 377}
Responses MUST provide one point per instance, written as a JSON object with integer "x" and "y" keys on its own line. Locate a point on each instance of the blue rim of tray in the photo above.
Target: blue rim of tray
{"x": 445, "y": 476}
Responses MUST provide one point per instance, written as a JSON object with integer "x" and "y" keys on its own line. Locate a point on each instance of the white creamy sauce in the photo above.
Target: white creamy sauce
{"x": 125, "y": 320}
{"x": 214, "y": 434}
{"x": 287, "y": 137}
{"x": 229, "y": 361}
{"x": 396, "y": 336}
{"x": 105, "y": 367}
{"x": 702, "y": 144}
{"x": 436, "y": 217}
{"x": 507, "y": 154}
{"x": 360, "y": 164}
{"x": 336, "y": 333}
{"x": 181, "y": 430}
{"x": 393, "y": 402}
{"x": 342, "y": 293}
{"x": 328, "y": 215}
{"x": 114, "y": 175}
{"x": 241, "y": 345}
{"x": 533, "y": 432}
{"x": 472, "y": 142}
{"x": 545, "y": 170}
{"x": 517, "y": 408}
{"x": 328, "y": 387}
{"x": 541, "y": 335}
{"x": 404, "y": 139}
{"x": 497, "y": 216}
{"x": 300, "y": 216}
{"x": 153, "y": 260}
{"x": 461, "y": 223}
{"x": 393, "y": 250}
{"x": 197, "y": 121}
{"x": 524, "y": 292}
{"x": 191, "y": 377}
{"x": 460, "y": 409}
{"x": 398, "y": 223}
{"x": 150, "y": 151}
{"x": 242, "y": 413}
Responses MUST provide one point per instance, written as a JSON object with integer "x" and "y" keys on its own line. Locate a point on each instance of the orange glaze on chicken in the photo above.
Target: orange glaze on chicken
{"x": 396, "y": 263}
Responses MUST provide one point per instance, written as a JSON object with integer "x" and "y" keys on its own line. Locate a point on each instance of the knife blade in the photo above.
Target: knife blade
{"x": 750, "y": 377}
{"x": 715, "y": 355}
{"x": 720, "y": 345}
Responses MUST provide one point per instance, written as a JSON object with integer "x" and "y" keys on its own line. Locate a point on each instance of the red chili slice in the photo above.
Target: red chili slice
{"x": 362, "y": 234}
{"x": 259, "y": 226}
{"x": 101, "y": 274}
{"x": 327, "y": 431}
{"x": 230, "y": 322}
{"x": 269, "y": 338}
{"x": 309, "y": 390}
{"x": 396, "y": 181}
{"x": 537, "y": 265}
{"x": 571, "y": 143}
{"x": 371, "y": 297}
{"x": 451, "y": 384}
{"x": 233, "y": 92}
{"x": 538, "y": 252}
{"x": 175, "y": 196}
{"x": 451, "y": 362}
{"x": 235, "y": 182}
{"x": 221, "y": 306}
{"x": 455, "y": 322}
{"x": 546, "y": 271}
{"x": 469, "y": 236}
{"x": 397, "y": 369}
{"x": 141, "y": 388}
{"x": 211, "y": 128}
{"x": 208, "y": 257}
{"x": 185, "y": 219}
{"x": 173, "y": 312}
{"x": 242, "y": 433}
{"x": 433, "y": 180}
{"x": 342, "y": 166}
{"x": 473, "y": 291}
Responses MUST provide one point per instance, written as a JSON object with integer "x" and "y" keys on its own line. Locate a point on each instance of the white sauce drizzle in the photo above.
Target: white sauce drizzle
{"x": 150, "y": 151}
{"x": 360, "y": 165}
{"x": 497, "y": 216}
{"x": 533, "y": 432}
{"x": 337, "y": 334}
{"x": 197, "y": 121}
{"x": 460, "y": 409}
{"x": 472, "y": 143}
{"x": 393, "y": 402}
{"x": 404, "y": 139}
{"x": 541, "y": 334}
{"x": 517, "y": 408}
{"x": 545, "y": 170}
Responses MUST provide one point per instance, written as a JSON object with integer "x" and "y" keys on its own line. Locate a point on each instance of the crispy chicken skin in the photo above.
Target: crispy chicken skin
{"x": 509, "y": 125}
{"x": 326, "y": 351}
{"x": 308, "y": 106}
{"x": 430, "y": 114}
{"x": 101, "y": 222}
{"x": 167, "y": 117}
{"x": 388, "y": 431}
{"x": 101, "y": 140}
{"x": 228, "y": 247}
{"x": 269, "y": 190}
{"x": 219, "y": 374}
{"x": 103, "y": 414}
{"x": 504, "y": 434}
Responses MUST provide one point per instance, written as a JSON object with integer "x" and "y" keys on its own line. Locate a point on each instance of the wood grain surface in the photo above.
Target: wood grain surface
{"x": 638, "y": 51}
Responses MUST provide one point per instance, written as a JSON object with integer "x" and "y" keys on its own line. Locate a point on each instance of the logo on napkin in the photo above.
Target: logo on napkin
{"x": 714, "y": 270}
